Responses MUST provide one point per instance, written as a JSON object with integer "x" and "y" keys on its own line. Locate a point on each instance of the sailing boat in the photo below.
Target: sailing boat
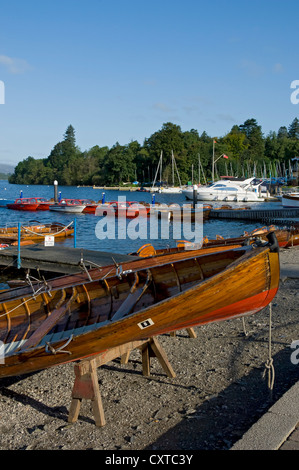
{"x": 155, "y": 189}
{"x": 169, "y": 189}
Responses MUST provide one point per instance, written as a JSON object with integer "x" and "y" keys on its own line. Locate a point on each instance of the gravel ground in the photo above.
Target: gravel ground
{"x": 218, "y": 393}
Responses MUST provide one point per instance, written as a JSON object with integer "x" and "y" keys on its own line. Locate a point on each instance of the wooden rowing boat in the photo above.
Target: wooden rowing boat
{"x": 135, "y": 301}
{"x": 286, "y": 237}
{"x": 35, "y": 233}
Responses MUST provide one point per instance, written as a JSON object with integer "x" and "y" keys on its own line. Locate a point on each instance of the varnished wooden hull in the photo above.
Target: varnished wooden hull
{"x": 182, "y": 293}
{"x": 285, "y": 237}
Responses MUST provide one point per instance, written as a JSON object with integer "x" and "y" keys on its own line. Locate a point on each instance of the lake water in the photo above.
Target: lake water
{"x": 86, "y": 223}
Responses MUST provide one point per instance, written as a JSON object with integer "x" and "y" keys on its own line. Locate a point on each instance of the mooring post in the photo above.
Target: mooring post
{"x": 194, "y": 196}
{"x": 19, "y": 245}
{"x": 75, "y": 233}
{"x": 55, "y": 191}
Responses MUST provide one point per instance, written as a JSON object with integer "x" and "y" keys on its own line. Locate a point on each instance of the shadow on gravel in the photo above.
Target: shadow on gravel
{"x": 222, "y": 420}
{"x": 57, "y": 412}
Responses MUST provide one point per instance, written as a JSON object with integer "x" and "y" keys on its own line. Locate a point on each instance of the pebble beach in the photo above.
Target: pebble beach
{"x": 220, "y": 389}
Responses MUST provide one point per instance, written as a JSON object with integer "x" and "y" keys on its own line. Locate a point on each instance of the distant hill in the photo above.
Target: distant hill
{"x": 6, "y": 168}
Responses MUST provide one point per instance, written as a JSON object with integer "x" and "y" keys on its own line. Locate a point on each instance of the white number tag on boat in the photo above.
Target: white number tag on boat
{"x": 146, "y": 323}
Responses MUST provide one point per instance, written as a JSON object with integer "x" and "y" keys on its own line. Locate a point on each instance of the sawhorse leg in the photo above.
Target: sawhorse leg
{"x": 86, "y": 385}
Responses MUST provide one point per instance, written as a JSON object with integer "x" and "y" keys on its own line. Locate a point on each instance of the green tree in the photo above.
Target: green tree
{"x": 282, "y": 133}
{"x": 236, "y": 142}
{"x": 69, "y": 136}
{"x": 294, "y": 129}
{"x": 119, "y": 166}
{"x": 254, "y": 141}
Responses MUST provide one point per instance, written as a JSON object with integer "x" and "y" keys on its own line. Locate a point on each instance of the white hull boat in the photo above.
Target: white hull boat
{"x": 68, "y": 205}
{"x": 73, "y": 209}
{"x": 171, "y": 190}
{"x": 230, "y": 190}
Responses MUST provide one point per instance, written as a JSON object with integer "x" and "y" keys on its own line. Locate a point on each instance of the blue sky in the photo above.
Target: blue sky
{"x": 118, "y": 69}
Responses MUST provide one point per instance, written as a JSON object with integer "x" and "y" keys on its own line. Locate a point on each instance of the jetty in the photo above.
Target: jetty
{"x": 58, "y": 259}
{"x": 261, "y": 215}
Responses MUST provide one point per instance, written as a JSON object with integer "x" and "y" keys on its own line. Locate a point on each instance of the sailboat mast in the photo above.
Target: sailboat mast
{"x": 159, "y": 166}
{"x": 199, "y": 168}
{"x": 172, "y": 162}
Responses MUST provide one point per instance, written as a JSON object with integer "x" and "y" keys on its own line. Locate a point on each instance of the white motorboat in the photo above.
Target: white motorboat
{"x": 231, "y": 190}
{"x": 290, "y": 200}
{"x": 171, "y": 190}
{"x": 68, "y": 205}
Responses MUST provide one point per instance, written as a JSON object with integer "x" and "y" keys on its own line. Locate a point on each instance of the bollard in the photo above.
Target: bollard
{"x": 55, "y": 191}
{"x": 194, "y": 196}
{"x": 103, "y": 198}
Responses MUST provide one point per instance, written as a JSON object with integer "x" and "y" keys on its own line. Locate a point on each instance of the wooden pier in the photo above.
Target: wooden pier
{"x": 264, "y": 215}
{"x": 58, "y": 259}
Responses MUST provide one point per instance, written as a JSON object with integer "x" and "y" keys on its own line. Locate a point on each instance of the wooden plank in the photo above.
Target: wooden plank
{"x": 129, "y": 303}
{"x": 45, "y": 327}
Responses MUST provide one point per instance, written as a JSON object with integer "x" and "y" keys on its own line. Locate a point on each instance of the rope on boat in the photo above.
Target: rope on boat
{"x": 53, "y": 233}
{"x": 269, "y": 366}
{"x": 50, "y": 348}
{"x": 38, "y": 291}
{"x": 46, "y": 285}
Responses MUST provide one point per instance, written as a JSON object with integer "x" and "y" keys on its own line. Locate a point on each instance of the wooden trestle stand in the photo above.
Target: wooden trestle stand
{"x": 86, "y": 383}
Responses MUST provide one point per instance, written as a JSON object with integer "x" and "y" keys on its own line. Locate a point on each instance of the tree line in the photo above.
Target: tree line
{"x": 245, "y": 145}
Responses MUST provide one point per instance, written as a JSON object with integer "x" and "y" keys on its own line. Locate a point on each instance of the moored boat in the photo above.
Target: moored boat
{"x": 127, "y": 209}
{"x": 68, "y": 205}
{"x": 70, "y": 319}
{"x": 35, "y": 233}
{"x": 290, "y": 200}
{"x": 182, "y": 213}
{"x": 248, "y": 190}
{"x": 4, "y": 202}
{"x": 25, "y": 204}
{"x": 90, "y": 205}
{"x": 45, "y": 204}
{"x": 286, "y": 237}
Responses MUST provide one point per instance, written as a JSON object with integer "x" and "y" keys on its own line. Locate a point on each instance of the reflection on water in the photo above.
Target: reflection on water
{"x": 86, "y": 223}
